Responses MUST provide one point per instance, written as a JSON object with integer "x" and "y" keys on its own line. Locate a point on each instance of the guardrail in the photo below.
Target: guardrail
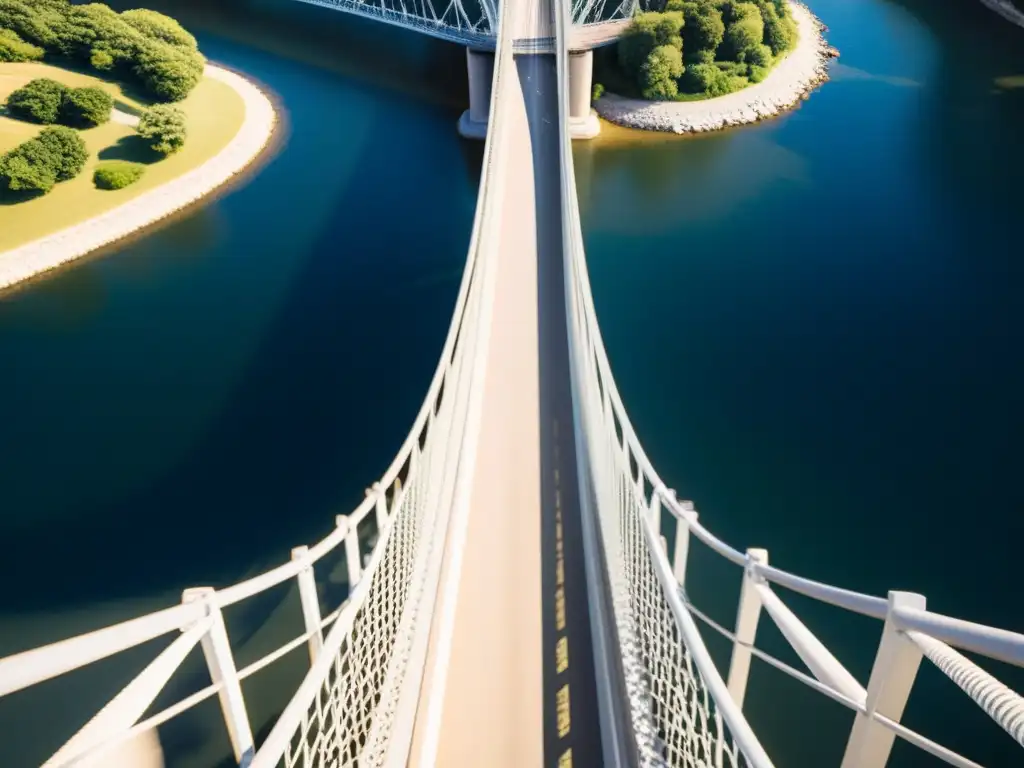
{"x": 363, "y": 677}
{"x": 683, "y": 712}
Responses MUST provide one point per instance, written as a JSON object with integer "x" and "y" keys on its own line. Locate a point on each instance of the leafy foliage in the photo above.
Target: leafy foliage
{"x": 86, "y": 107}
{"x": 743, "y": 33}
{"x": 39, "y": 101}
{"x": 67, "y": 151}
{"x": 725, "y": 44}
{"x": 156, "y": 26}
{"x": 164, "y": 129}
{"x": 29, "y": 167}
{"x": 145, "y": 45}
{"x": 663, "y": 66}
{"x": 56, "y": 154}
{"x": 703, "y": 30}
{"x": 117, "y": 174}
{"x": 647, "y": 32}
{"x": 13, "y": 48}
{"x": 597, "y": 92}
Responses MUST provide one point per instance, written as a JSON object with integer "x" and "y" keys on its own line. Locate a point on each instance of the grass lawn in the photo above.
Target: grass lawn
{"x": 214, "y": 111}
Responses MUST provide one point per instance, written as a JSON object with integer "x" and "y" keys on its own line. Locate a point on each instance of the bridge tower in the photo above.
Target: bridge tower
{"x": 583, "y": 123}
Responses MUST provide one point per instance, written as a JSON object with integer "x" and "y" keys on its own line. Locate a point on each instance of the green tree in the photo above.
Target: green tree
{"x": 159, "y": 27}
{"x": 164, "y": 128}
{"x": 86, "y": 107}
{"x": 659, "y": 73}
{"x": 38, "y": 101}
{"x": 780, "y": 32}
{"x": 29, "y": 167}
{"x": 13, "y": 48}
{"x": 759, "y": 56}
{"x": 703, "y": 30}
{"x": 745, "y": 32}
{"x": 117, "y": 174}
{"x": 167, "y": 72}
{"x": 32, "y": 20}
{"x": 647, "y": 32}
{"x": 67, "y": 150}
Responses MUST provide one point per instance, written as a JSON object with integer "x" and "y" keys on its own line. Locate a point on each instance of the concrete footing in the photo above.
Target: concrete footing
{"x": 583, "y": 122}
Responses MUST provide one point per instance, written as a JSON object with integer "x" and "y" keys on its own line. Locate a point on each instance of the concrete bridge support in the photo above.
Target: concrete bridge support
{"x": 583, "y": 123}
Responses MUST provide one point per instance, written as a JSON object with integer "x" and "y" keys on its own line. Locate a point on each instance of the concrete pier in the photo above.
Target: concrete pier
{"x": 480, "y": 65}
{"x": 583, "y": 122}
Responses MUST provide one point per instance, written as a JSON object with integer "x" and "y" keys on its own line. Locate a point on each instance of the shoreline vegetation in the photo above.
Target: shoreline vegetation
{"x": 794, "y": 72}
{"x": 110, "y": 122}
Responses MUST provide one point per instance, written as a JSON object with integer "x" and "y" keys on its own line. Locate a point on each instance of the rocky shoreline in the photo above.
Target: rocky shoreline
{"x": 46, "y": 253}
{"x": 792, "y": 79}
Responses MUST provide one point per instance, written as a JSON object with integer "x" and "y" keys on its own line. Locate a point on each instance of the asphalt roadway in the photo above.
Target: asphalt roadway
{"x": 572, "y": 733}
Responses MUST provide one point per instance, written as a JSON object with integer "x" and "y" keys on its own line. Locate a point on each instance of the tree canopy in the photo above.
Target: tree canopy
{"x": 143, "y": 45}
{"x": 717, "y": 46}
{"x": 163, "y": 127}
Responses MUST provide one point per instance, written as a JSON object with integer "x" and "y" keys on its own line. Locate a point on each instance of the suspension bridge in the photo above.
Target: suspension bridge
{"x": 517, "y": 579}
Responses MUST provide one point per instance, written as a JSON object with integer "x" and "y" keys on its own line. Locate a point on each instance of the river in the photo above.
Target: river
{"x": 814, "y": 323}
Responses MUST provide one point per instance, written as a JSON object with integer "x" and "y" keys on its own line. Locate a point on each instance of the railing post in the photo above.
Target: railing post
{"x": 654, "y": 513}
{"x": 747, "y": 614}
{"x": 310, "y": 603}
{"x": 221, "y": 664}
{"x": 892, "y": 677}
{"x": 352, "y": 556}
{"x": 682, "y": 548}
{"x": 381, "y": 508}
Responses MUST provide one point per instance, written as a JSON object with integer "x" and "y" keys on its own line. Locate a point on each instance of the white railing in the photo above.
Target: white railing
{"x": 356, "y": 703}
{"x": 683, "y": 713}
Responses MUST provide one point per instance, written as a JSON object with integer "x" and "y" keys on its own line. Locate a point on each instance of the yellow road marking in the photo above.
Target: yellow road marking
{"x": 563, "y": 711}
{"x": 562, "y": 655}
{"x": 560, "y": 572}
{"x": 565, "y": 761}
{"x": 560, "y": 609}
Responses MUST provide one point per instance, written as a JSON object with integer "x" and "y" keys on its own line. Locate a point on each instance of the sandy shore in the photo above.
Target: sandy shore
{"x": 48, "y": 252}
{"x": 804, "y": 68}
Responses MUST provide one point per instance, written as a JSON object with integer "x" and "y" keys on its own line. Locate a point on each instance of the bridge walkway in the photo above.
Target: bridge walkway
{"x": 509, "y": 679}
{"x": 491, "y": 709}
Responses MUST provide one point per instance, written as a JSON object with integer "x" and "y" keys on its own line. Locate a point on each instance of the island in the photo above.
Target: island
{"x": 703, "y": 65}
{"x": 110, "y": 122}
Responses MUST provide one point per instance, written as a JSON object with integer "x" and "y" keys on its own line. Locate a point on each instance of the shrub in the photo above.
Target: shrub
{"x": 659, "y": 73}
{"x": 759, "y": 56}
{"x": 703, "y": 30}
{"x": 709, "y": 80}
{"x": 757, "y": 74}
{"x": 39, "y": 101}
{"x": 163, "y": 127}
{"x": 597, "y": 93}
{"x": 101, "y": 59}
{"x": 117, "y": 174}
{"x": 86, "y": 107}
{"x": 13, "y": 48}
{"x": 159, "y": 27}
{"x": 29, "y": 167}
{"x": 67, "y": 151}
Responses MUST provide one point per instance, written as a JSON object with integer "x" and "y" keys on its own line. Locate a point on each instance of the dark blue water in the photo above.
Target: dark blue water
{"x": 817, "y": 327}
{"x": 194, "y": 404}
{"x": 814, "y": 322}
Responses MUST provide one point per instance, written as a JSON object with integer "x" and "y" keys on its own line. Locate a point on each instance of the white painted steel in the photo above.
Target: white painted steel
{"x": 748, "y": 613}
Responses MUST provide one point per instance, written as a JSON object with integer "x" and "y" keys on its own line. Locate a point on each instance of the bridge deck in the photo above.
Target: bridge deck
{"x": 492, "y": 706}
